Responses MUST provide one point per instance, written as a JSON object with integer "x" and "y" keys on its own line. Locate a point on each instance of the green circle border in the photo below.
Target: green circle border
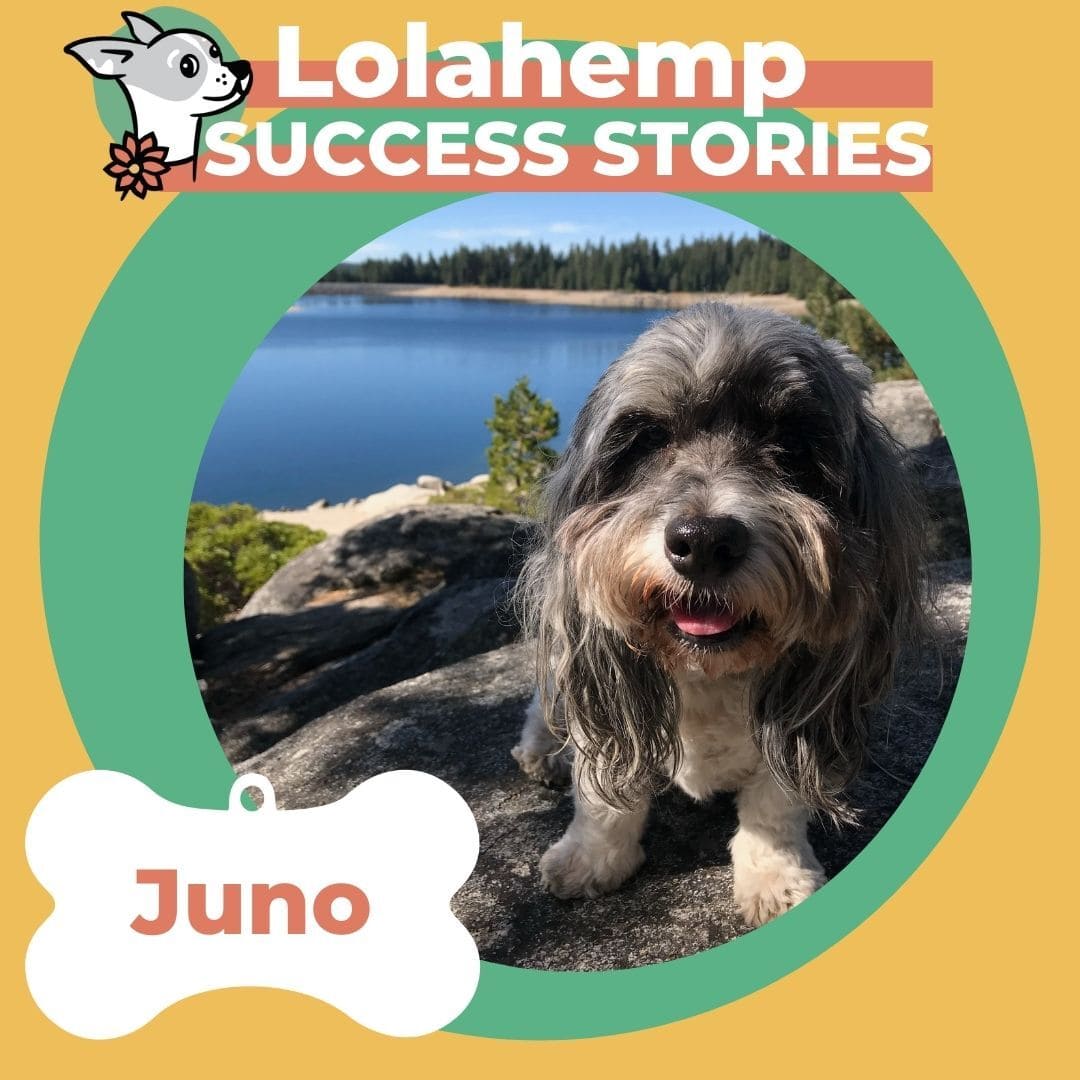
{"x": 177, "y": 324}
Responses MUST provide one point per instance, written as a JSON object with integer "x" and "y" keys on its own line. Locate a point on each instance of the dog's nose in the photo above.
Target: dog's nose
{"x": 240, "y": 68}
{"x": 701, "y": 547}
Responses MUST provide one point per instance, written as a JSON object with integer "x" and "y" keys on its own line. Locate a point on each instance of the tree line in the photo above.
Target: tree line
{"x": 755, "y": 264}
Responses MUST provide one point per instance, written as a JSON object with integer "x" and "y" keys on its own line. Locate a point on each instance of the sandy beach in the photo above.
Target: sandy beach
{"x": 336, "y": 518}
{"x": 787, "y": 305}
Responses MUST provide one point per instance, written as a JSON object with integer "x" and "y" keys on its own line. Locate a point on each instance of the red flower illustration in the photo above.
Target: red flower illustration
{"x": 138, "y": 165}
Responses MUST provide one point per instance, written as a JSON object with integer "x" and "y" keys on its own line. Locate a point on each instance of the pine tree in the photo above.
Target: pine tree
{"x": 519, "y": 457}
{"x": 823, "y": 308}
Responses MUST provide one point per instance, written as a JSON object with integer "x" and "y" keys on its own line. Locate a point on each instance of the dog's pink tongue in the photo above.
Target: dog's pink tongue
{"x": 703, "y": 621}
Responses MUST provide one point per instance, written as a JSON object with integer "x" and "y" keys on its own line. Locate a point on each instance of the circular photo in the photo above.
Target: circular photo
{"x": 623, "y": 518}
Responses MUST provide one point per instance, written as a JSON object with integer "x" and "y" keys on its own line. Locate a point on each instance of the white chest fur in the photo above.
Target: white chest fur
{"x": 718, "y": 753}
{"x": 773, "y": 865}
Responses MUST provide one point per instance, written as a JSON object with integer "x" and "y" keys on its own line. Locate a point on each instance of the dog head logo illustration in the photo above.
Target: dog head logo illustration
{"x": 171, "y": 79}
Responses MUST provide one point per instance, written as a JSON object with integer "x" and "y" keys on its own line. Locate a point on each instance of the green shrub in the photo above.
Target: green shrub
{"x": 519, "y": 457}
{"x": 848, "y": 321}
{"x": 489, "y": 494}
{"x": 233, "y": 551}
{"x": 823, "y": 310}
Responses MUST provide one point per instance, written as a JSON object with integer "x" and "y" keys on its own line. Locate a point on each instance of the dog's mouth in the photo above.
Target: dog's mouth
{"x": 709, "y": 622}
{"x": 238, "y": 90}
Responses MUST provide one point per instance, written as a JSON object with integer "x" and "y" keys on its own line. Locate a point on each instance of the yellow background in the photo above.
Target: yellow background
{"x": 970, "y": 966}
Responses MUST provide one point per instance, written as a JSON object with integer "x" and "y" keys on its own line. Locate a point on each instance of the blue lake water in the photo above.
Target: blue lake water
{"x": 348, "y": 395}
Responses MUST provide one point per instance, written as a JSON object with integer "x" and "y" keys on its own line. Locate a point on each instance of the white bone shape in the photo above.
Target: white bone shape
{"x": 406, "y": 839}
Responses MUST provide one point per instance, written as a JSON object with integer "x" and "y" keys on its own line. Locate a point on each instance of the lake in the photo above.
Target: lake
{"x": 350, "y": 394}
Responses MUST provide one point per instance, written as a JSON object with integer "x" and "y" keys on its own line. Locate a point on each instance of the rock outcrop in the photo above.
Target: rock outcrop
{"x": 391, "y": 645}
{"x": 417, "y": 550}
{"x": 458, "y": 722}
{"x": 906, "y": 411}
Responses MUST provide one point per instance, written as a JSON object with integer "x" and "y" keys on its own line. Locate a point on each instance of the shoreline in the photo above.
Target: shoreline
{"x": 597, "y": 298}
{"x": 336, "y": 518}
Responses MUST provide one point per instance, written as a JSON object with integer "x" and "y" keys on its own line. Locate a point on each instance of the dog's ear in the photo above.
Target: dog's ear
{"x": 886, "y": 510}
{"x": 104, "y": 58}
{"x": 618, "y": 707}
{"x": 142, "y": 28}
{"x": 810, "y": 711}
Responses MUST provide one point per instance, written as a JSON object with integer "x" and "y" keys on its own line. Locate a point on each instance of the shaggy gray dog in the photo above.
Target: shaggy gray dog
{"x": 730, "y": 561}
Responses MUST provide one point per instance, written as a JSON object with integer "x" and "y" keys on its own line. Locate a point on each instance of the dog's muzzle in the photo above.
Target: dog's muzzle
{"x": 706, "y": 551}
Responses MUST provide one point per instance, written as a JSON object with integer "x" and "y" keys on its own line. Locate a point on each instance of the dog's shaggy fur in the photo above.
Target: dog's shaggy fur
{"x": 730, "y": 561}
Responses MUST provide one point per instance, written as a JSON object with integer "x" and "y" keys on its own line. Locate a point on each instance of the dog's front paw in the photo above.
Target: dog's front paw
{"x": 551, "y": 770}
{"x": 767, "y": 887}
{"x": 570, "y": 870}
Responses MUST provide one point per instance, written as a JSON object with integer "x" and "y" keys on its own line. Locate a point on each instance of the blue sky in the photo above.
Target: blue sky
{"x": 558, "y": 219}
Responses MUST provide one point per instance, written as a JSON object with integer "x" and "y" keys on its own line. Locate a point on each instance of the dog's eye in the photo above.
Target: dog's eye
{"x": 796, "y": 454}
{"x": 189, "y": 66}
{"x": 651, "y": 437}
{"x": 215, "y": 52}
{"x": 632, "y": 439}
{"x": 806, "y": 464}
